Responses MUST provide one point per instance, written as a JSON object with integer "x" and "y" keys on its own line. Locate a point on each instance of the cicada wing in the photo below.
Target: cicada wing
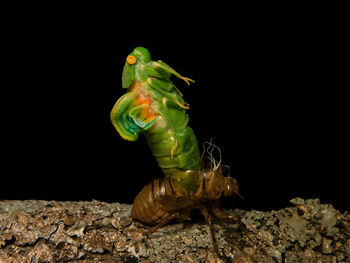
{"x": 121, "y": 120}
{"x": 141, "y": 116}
{"x": 130, "y": 119}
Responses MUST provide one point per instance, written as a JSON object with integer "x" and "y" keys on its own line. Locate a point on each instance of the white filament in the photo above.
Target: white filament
{"x": 208, "y": 148}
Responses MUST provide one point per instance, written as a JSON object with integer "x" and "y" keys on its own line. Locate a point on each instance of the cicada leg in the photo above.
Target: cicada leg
{"x": 180, "y": 216}
{"x": 204, "y": 211}
{"x": 162, "y": 223}
{"x": 163, "y": 66}
{"x": 215, "y": 208}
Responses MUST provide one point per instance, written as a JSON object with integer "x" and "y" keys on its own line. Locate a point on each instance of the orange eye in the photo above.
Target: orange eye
{"x": 131, "y": 59}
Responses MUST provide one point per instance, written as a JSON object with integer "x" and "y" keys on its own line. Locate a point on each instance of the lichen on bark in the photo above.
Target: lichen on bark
{"x": 52, "y": 231}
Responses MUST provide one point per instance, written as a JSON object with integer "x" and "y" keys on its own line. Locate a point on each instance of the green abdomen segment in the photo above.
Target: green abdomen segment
{"x": 184, "y": 165}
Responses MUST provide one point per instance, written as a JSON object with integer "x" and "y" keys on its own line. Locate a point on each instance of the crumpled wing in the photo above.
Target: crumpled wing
{"x": 130, "y": 119}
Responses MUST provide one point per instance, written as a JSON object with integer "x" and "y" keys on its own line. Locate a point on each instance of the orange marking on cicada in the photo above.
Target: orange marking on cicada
{"x": 147, "y": 111}
{"x": 149, "y": 114}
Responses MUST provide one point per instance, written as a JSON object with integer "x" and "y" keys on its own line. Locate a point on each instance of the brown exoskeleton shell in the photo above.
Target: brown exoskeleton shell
{"x": 161, "y": 201}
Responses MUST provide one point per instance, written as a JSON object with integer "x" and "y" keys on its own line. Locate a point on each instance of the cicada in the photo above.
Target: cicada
{"x": 155, "y": 107}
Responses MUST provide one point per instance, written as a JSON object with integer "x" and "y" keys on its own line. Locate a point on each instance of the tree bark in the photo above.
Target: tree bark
{"x": 52, "y": 231}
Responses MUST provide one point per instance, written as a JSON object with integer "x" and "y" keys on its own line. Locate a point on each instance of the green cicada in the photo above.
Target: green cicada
{"x": 155, "y": 107}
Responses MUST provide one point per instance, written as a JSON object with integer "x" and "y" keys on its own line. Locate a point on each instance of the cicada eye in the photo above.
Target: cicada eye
{"x": 131, "y": 59}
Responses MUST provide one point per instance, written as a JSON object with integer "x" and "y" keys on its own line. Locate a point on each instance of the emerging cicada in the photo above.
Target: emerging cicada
{"x": 155, "y": 107}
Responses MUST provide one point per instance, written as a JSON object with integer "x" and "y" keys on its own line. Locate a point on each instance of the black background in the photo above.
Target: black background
{"x": 266, "y": 90}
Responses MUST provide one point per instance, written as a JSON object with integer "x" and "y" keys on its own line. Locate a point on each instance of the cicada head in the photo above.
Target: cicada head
{"x": 138, "y": 56}
{"x": 230, "y": 184}
{"x": 231, "y": 187}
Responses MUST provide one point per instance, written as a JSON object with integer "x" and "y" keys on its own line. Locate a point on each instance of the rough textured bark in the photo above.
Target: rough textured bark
{"x": 50, "y": 231}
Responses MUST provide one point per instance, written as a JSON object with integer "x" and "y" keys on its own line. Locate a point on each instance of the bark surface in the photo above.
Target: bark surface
{"x": 50, "y": 231}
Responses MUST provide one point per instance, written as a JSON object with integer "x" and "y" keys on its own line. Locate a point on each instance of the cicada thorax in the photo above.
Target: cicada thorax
{"x": 217, "y": 183}
{"x": 211, "y": 185}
